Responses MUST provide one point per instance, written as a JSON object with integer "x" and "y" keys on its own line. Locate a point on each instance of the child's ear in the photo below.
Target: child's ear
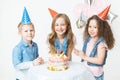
{"x": 19, "y": 33}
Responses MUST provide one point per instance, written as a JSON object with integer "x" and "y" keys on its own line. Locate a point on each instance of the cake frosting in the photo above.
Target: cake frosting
{"x": 58, "y": 62}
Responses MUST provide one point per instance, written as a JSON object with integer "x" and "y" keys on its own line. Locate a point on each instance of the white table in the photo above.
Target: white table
{"x": 76, "y": 71}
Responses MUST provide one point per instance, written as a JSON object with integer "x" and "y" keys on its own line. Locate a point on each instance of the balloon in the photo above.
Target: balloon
{"x": 81, "y": 21}
{"x": 89, "y": 8}
{"x": 78, "y": 9}
{"x": 111, "y": 16}
{"x": 90, "y": 2}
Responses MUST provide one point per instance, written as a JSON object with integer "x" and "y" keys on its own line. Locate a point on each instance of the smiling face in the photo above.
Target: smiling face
{"x": 60, "y": 26}
{"x": 93, "y": 28}
{"x": 27, "y": 33}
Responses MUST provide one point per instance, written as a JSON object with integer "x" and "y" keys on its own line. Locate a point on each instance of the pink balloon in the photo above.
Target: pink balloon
{"x": 96, "y": 7}
{"x": 78, "y": 9}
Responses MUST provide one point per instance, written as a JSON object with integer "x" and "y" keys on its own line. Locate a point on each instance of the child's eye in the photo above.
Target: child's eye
{"x": 95, "y": 27}
{"x": 25, "y": 31}
{"x": 31, "y": 30}
{"x": 62, "y": 24}
{"x": 56, "y": 24}
{"x": 89, "y": 26}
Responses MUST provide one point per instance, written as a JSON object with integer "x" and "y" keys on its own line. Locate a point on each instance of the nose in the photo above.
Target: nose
{"x": 59, "y": 27}
{"x": 29, "y": 32}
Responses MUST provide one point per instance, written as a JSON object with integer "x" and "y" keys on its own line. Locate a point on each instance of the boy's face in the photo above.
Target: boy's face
{"x": 27, "y": 32}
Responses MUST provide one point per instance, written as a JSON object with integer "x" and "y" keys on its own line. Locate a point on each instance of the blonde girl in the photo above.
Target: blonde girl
{"x": 61, "y": 39}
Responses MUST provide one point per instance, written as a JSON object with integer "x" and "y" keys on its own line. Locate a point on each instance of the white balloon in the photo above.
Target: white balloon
{"x": 111, "y": 16}
{"x": 81, "y": 21}
{"x": 90, "y": 2}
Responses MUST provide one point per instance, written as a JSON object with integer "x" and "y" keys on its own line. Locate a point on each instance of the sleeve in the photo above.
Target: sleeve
{"x": 17, "y": 60}
{"x": 16, "y": 56}
{"x": 24, "y": 65}
{"x": 103, "y": 45}
{"x": 37, "y": 52}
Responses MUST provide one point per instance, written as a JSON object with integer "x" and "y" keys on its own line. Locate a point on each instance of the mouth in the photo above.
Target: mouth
{"x": 91, "y": 33}
{"x": 60, "y": 31}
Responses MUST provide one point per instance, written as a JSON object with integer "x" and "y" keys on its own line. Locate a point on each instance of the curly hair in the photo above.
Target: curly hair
{"x": 104, "y": 30}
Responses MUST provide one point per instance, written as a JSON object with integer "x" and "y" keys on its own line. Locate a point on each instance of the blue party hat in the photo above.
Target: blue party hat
{"x": 25, "y": 17}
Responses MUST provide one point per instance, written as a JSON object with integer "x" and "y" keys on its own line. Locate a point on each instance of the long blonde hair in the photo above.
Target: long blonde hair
{"x": 69, "y": 34}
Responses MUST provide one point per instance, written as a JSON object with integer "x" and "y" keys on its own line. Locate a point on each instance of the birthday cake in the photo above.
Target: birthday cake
{"x": 57, "y": 62}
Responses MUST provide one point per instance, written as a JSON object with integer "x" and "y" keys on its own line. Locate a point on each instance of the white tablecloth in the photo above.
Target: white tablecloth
{"x": 76, "y": 71}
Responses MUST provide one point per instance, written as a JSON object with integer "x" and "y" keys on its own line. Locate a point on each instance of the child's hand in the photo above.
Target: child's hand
{"x": 38, "y": 61}
{"x": 79, "y": 53}
{"x": 76, "y": 51}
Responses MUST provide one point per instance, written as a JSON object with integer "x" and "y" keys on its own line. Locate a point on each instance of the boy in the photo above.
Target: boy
{"x": 25, "y": 54}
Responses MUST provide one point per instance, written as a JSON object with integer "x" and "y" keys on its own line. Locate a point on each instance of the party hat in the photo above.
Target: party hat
{"x": 25, "y": 17}
{"x": 52, "y": 12}
{"x": 103, "y": 15}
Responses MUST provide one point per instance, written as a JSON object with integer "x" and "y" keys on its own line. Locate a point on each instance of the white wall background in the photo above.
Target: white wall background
{"x": 11, "y": 14}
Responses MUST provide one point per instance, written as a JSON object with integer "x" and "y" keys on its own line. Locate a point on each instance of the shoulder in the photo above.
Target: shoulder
{"x": 34, "y": 43}
{"x": 18, "y": 48}
{"x": 19, "y": 45}
{"x": 102, "y": 45}
{"x": 74, "y": 39}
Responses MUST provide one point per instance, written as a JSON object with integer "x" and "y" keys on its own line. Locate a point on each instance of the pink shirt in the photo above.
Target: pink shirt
{"x": 96, "y": 70}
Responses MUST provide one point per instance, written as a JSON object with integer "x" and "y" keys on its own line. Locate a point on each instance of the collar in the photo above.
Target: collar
{"x": 25, "y": 44}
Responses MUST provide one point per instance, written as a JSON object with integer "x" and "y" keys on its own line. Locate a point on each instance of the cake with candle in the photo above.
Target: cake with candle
{"x": 58, "y": 62}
